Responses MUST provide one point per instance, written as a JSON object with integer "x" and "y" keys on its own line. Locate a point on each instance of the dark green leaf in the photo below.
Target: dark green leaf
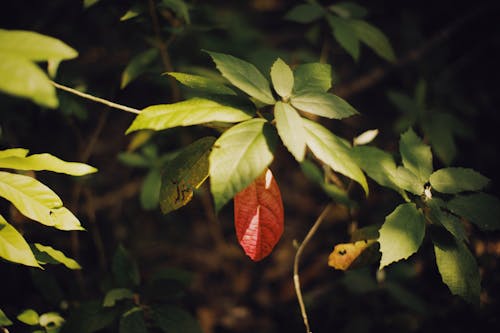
{"x": 333, "y": 191}
{"x": 440, "y": 130}
{"x": 90, "y": 317}
{"x": 378, "y": 165}
{"x": 479, "y": 208}
{"x": 180, "y": 8}
{"x": 282, "y": 78}
{"x": 290, "y": 129}
{"x": 323, "y": 104}
{"x": 312, "y": 77}
{"x": 134, "y": 160}
{"x": 244, "y": 75}
{"x": 373, "y": 38}
{"x": 456, "y": 180}
{"x": 132, "y": 321}
{"x": 401, "y": 234}
{"x": 124, "y": 268}
{"x": 239, "y": 156}
{"x": 115, "y": 295}
{"x": 403, "y": 102}
{"x": 173, "y": 319}
{"x": 138, "y": 65}
{"x": 305, "y": 13}
{"x": 416, "y": 155}
{"x": 202, "y": 83}
{"x": 345, "y": 35}
{"x": 348, "y": 10}
{"x": 448, "y": 221}
{"x": 185, "y": 173}
{"x": 4, "y": 320}
{"x": 150, "y": 190}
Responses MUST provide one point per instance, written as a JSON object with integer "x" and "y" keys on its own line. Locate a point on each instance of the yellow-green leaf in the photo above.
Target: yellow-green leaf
{"x": 290, "y": 129}
{"x": 13, "y": 247}
{"x": 138, "y": 65}
{"x": 323, "y": 104}
{"x": 48, "y": 162}
{"x": 202, "y": 83}
{"x": 49, "y": 255}
{"x": 282, "y": 78}
{"x": 29, "y": 317}
{"x": 18, "y": 152}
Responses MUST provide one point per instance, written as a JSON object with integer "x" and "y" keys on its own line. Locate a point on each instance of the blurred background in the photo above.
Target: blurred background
{"x": 443, "y": 82}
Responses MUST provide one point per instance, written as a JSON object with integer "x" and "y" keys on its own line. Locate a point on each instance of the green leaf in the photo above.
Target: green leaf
{"x": 345, "y": 34}
{"x": 374, "y": 39}
{"x": 36, "y": 201}
{"x": 333, "y": 191}
{"x": 4, "y": 320}
{"x": 13, "y": 247}
{"x": 440, "y": 129}
{"x": 479, "y": 208}
{"x": 348, "y": 10}
{"x": 312, "y": 77}
{"x": 38, "y": 162}
{"x": 416, "y": 155}
{"x": 407, "y": 180}
{"x": 90, "y": 317}
{"x": 378, "y": 165}
{"x": 290, "y": 129}
{"x": 50, "y": 321}
{"x": 33, "y": 46}
{"x": 202, "y": 83}
{"x": 282, "y": 78}
{"x": 403, "y": 102}
{"x": 401, "y": 234}
{"x": 458, "y": 268}
{"x": 133, "y": 321}
{"x": 134, "y": 11}
{"x": 365, "y": 137}
{"x": 305, "y": 13}
{"x": 245, "y": 76}
{"x": 89, "y": 3}
{"x": 115, "y": 295}
{"x": 239, "y": 156}
{"x": 150, "y": 190}
{"x": 22, "y": 78}
{"x": 135, "y": 160}
{"x": 138, "y": 65}
{"x": 173, "y": 319}
{"x": 450, "y": 222}
{"x": 185, "y": 173}
{"x": 186, "y": 113}
{"x": 124, "y": 268}
{"x": 333, "y": 151}
{"x": 179, "y": 7}
{"x": 456, "y": 180}
{"x": 18, "y": 152}
{"x": 323, "y": 104}
{"x": 29, "y": 317}
{"x": 46, "y": 254}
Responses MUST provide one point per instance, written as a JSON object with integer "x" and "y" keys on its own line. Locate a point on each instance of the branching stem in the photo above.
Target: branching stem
{"x": 296, "y": 279}
{"x": 96, "y": 99}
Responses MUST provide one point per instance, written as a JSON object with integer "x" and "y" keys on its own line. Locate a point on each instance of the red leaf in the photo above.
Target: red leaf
{"x": 259, "y": 217}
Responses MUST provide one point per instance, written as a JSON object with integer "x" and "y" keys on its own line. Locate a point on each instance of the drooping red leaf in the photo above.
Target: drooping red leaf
{"x": 259, "y": 216}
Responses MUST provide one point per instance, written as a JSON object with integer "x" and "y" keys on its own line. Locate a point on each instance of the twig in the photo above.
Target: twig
{"x": 96, "y": 99}
{"x": 296, "y": 279}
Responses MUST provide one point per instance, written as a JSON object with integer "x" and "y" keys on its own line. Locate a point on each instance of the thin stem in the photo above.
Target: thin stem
{"x": 296, "y": 279}
{"x": 96, "y": 99}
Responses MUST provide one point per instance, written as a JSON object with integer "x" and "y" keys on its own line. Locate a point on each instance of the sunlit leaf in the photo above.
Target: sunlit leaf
{"x": 239, "y": 156}
{"x": 185, "y": 173}
{"x": 458, "y": 268}
{"x": 345, "y": 34}
{"x": 365, "y": 137}
{"x": 46, "y": 254}
{"x": 323, "y": 104}
{"x": 282, "y": 78}
{"x": 38, "y": 162}
{"x": 333, "y": 151}
{"x": 138, "y": 65}
{"x": 244, "y": 75}
{"x": 408, "y": 181}
{"x": 17, "y": 152}
{"x": 186, "y": 113}
{"x": 51, "y": 321}
{"x": 305, "y": 13}
{"x": 202, "y": 83}
{"x": 115, "y": 295}
{"x": 173, "y": 319}
{"x": 374, "y": 39}
{"x": 416, "y": 155}
{"x": 259, "y": 216}
{"x": 13, "y": 246}
{"x": 378, "y": 165}
{"x": 479, "y": 208}
{"x": 401, "y": 234}
{"x": 29, "y": 317}
{"x": 343, "y": 255}
{"x": 290, "y": 129}
{"x": 456, "y": 180}
{"x": 312, "y": 77}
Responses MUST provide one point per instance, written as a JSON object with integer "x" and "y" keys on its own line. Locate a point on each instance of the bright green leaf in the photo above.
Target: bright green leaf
{"x": 456, "y": 180}
{"x": 416, "y": 155}
{"x": 333, "y": 151}
{"x": 132, "y": 321}
{"x": 51, "y": 320}
{"x": 179, "y": 7}
{"x": 115, "y": 295}
{"x": 38, "y": 162}
{"x": 150, "y": 190}
{"x": 378, "y": 165}
{"x": 239, "y": 156}
{"x": 401, "y": 234}
{"x": 186, "y": 113}
{"x": 13, "y": 247}
{"x": 323, "y": 104}
{"x": 290, "y": 129}
{"x": 22, "y": 78}
{"x": 54, "y": 256}
{"x": 345, "y": 34}
{"x": 312, "y": 77}
{"x": 305, "y": 13}
{"x": 138, "y": 65}
{"x": 18, "y": 152}
{"x": 29, "y": 317}
{"x": 202, "y": 83}
{"x": 374, "y": 38}
{"x": 173, "y": 319}
{"x": 479, "y": 208}
{"x": 365, "y": 137}
{"x": 282, "y": 78}
{"x": 407, "y": 180}
{"x": 244, "y": 75}
{"x": 458, "y": 269}
{"x": 4, "y": 320}
{"x": 33, "y": 46}
{"x": 185, "y": 173}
